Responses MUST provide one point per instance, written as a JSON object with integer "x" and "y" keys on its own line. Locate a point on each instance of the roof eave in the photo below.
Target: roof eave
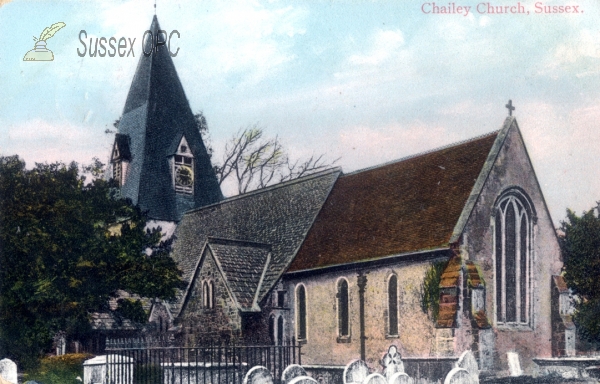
{"x": 481, "y": 179}
{"x": 366, "y": 262}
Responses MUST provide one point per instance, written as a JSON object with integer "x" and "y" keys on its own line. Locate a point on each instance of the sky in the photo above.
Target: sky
{"x": 363, "y": 81}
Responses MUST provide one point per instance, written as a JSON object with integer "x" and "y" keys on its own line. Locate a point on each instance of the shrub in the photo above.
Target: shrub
{"x": 59, "y": 369}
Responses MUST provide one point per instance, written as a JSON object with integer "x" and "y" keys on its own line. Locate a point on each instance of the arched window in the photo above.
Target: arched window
{"x": 272, "y": 329}
{"x": 513, "y": 244}
{"x": 393, "y": 306}
{"x": 301, "y": 312}
{"x": 205, "y": 294}
{"x": 280, "y": 330}
{"x": 208, "y": 295}
{"x": 342, "y": 296}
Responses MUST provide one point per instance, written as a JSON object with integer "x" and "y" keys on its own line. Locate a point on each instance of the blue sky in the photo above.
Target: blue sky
{"x": 365, "y": 81}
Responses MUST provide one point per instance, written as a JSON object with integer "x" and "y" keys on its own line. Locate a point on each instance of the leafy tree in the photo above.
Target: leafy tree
{"x": 580, "y": 243}
{"x": 67, "y": 247}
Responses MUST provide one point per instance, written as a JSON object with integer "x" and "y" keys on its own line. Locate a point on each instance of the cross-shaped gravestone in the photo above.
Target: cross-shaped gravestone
{"x": 392, "y": 362}
{"x": 510, "y": 107}
{"x": 458, "y": 376}
{"x": 400, "y": 378}
{"x": 291, "y": 372}
{"x": 258, "y": 375}
{"x": 375, "y": 378}
{"x": 356, "y": 372}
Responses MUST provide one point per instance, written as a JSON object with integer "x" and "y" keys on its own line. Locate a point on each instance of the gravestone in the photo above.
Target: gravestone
{"x": 303, "y": 380}
{"x": 8, "y": 370}
{"x": 458, "y": 376}
{"x": 356, "y": 372}
{"x": 258, "y": 375}
{"x": 468, "y": 362}
{"x": 94, "y": 370}
{"x": 392, "y": 363}
{"x": 291, "y": 372}
{"x": 400, "y": 378}
{"x": 514, "y": 366}
{"x": 375, "y": 378}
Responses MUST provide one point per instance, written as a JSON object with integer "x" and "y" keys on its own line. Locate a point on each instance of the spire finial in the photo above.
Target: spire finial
{"x": 154, "y": 7}
{"x": 510, "y": 107}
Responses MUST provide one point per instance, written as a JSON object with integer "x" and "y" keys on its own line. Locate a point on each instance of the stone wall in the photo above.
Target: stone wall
{"x": 512, "y": 168}
{"x": 223, "y": 322}
{"x": 416, "y": 332}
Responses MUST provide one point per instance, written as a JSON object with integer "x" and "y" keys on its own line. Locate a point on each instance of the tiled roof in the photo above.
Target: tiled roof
{"x": 405, "y": 206}
{"x": 474, "y": 278}
{"x": 451, "y": 273}
{"x": 279, "y": 216}
{"x": 243, "y": 264}
{"x": 156, "y": 114}
{"x": 104, "y": 321}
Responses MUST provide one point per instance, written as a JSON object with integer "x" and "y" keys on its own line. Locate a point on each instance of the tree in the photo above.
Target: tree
{"x": 67, "y": 247}
{"x": 202, "y": 126}
{"x": 580, "y": 243}
{"x": 257, "y": 162}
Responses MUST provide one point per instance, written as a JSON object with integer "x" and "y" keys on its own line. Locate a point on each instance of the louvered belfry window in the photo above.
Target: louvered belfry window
{"x": 513, "y": 244}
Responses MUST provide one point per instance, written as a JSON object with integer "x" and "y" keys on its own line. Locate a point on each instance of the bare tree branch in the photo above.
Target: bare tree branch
{"x": 257, "y": 162}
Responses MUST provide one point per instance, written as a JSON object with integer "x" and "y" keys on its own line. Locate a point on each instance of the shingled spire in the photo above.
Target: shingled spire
{"x": 168, "y": 170}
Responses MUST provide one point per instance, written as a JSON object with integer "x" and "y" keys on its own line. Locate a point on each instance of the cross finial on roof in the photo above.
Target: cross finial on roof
{"x": 510, "y": 107}
{"x": 155, "y": 7}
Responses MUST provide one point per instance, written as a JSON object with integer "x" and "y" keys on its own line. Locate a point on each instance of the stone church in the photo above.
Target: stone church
{"x": 341, "y": 262}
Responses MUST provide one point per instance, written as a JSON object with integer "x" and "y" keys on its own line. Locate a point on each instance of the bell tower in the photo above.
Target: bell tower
{"x": 158, "y": 155}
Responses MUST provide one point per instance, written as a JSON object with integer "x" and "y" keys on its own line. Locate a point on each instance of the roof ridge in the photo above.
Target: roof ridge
{"x": 266, "y": 189}
{"x": 409, "y": 157}
{"x": 227, "y": 241}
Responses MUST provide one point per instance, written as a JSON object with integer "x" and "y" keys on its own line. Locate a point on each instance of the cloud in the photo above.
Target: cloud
{"x": 38, "y": 140}
{"x": 384, "y": 46}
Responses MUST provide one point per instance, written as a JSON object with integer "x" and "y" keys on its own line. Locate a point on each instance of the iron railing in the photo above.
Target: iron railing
{"x": 214, "y": 363}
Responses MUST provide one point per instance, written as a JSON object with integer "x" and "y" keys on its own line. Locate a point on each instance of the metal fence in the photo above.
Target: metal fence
{"x": 222, "y": 364}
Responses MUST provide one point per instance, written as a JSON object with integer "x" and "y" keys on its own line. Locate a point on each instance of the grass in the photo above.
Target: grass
{"x": 59, "y": 369}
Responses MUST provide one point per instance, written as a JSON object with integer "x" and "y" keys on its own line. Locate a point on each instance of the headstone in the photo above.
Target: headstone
{"x": 468, "y": 362}
{"x": 303, "y": 380}
{"x": 458, "y": 376}
{"x": 291, "y": 372}
{"x": 392, "y": 363}
{"x": 514, "y": 366}
{"x": 8, "y": 370}
{"x": 400, "y": 378}
{"x": 356, "y": 372}
{"x": 94, "y": 370}
{"x": 258, "y": 375}
{"x": 375, "y": 378}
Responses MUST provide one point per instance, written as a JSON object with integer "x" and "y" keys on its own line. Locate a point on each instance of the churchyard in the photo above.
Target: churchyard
{"x": 280, "y": 365}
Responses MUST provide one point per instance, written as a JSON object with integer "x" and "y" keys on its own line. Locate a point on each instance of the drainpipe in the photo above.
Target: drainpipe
{"x": 362, "y": 283}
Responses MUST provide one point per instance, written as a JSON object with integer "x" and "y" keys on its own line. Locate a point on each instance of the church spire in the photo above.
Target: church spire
{"x": 169, "y": 170}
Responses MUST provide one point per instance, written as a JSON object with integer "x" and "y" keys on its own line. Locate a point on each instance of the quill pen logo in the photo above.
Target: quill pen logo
{"x": 40, "y": 52}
